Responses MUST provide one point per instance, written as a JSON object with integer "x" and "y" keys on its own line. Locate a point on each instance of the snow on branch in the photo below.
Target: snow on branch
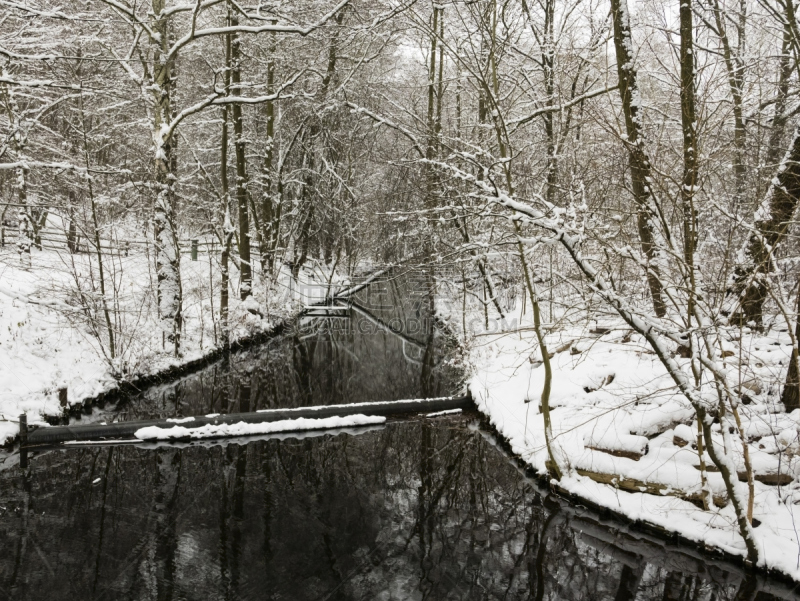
{"x": 252, "y": 29}
{"x": 27, "y": 57}
{"x": 38, "y": 83}
{"x": 360, "y": 110}
{"x": 218, "y": 98}
{"x": 50, "y": 14}
{"x": 554, "y": 109}
{"x": 197, "y": 6}
{"x": 27, "y": 165}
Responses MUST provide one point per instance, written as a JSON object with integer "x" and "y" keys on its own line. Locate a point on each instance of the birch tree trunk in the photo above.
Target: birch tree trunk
{"x": 170, "y": 294}
{"x": 25, "y": 237}
{"x": 227, "y": 227}
{"x": 268, "y": 212}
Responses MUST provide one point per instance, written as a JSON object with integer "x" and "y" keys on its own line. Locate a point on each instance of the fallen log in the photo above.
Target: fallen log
{"x": 768, "y": 478}
{"x": 57, "y": 434}
{"x": 629, "y": 446}
{"x": 626, "y": 453}
{"x": 652, "y": 488}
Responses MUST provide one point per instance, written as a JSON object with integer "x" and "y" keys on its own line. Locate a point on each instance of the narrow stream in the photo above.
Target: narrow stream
{"x": 421, "y": 508}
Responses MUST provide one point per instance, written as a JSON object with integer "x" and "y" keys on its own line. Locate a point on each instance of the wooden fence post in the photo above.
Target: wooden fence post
{"x": 23, "y": 441}
{"x": 23, "y": 429}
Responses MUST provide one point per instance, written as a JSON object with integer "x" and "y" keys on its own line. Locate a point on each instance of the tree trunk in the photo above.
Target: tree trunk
{"x": 647, "y": 218}
{"x": 25, "y": 237}
{"x": 688, "y": 121}
{"x": 96, "y": 228}
{"x": 307, "y": 193}
{"x": 25, "y": 230}
{"x": 306, "y": 197}
{"x": 553, "y": 464}
{"x": 227, "y": 227}
{"x": 772, "y": 221}
{"x": 548, "y": 66}
{"x": 689, "y": 181}
{"x": 779, "y": 117}
{"x": 431, "y": 121}
{"x": 245, "y": 265}
{"x": 791, "y": 390}
{"x": 724, "y": 464}
{"x": 170, "y": 294}
{"x": 101, "y": 272}
{"x": 735, "y": 69}
{"x": 268, "y": 222}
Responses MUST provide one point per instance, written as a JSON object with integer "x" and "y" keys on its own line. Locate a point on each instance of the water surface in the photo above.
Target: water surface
{"x": 421, "y": 508}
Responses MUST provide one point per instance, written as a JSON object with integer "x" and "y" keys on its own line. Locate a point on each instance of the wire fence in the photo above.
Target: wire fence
{"x": 51, "y": 238}
{"x": 313, "y": 285}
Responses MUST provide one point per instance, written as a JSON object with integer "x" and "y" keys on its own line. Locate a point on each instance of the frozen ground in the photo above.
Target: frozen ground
{"x": 616, "y": 413}
{"x": 53, "y": 334}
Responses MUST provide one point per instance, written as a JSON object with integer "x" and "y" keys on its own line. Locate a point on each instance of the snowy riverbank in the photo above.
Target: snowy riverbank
{"x": 618, "y": 418}
{"x": 52, "y": 337}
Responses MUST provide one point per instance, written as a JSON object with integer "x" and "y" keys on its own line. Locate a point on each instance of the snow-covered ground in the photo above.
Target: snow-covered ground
{"x": 616, "y": 412}
{"x": 53, "y": 335}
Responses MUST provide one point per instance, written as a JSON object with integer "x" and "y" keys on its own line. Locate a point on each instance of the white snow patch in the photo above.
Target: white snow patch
{"x": 438, "y": 413}
{"x": 180, "y": 420}
{"x": 44, "y": 346}
{"x": 684, "y": 432}
{"x": 245, "y": 429}
{"x": 591, "y": 409}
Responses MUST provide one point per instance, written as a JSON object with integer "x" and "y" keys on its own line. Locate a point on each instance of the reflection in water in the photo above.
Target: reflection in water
{"x": 418, "y": 509}
{"x": 425, "y": 509}
{"x": 387, "y": 349}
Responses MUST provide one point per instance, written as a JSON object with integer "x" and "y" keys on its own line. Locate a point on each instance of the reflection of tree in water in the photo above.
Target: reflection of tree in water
{"x": 402, "y": 301}
{"x": 386, "y": 351}
{"x": 154, "y": 577}
{"x": 319, "y": 364}
{"x": 418, "y": 510}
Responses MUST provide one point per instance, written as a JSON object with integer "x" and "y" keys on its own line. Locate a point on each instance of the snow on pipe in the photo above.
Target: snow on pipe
{"x": 238, "y": 424}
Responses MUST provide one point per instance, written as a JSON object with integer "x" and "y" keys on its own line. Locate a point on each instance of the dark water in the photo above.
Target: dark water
{"x": 425, "y": 508}
{"x": 387, "y": 349}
